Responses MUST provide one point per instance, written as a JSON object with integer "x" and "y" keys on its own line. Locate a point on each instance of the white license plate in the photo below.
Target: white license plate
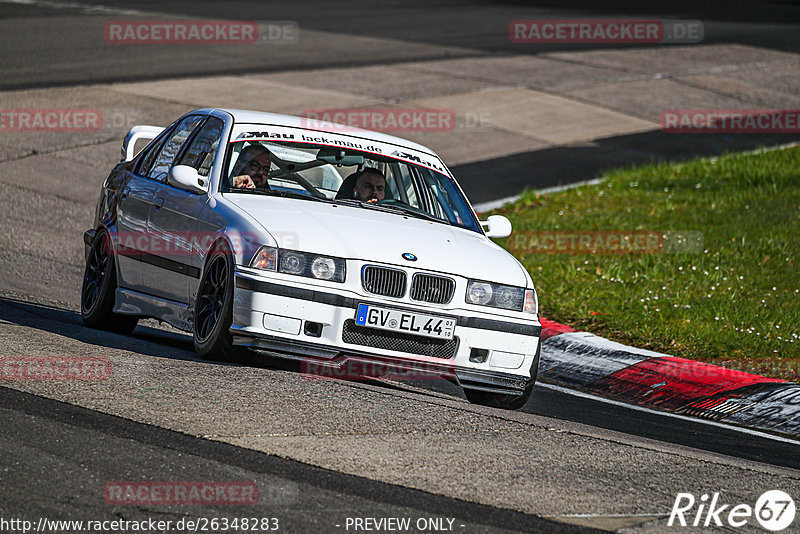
{"x": 418, "y": 324}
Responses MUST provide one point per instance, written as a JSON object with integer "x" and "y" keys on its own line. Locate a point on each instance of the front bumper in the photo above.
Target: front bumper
{"x": 316, "y": 326}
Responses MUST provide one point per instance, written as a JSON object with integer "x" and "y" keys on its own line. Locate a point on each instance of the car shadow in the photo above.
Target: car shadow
{"x": 146, "y": 339}
{"x": 149, "y": 338}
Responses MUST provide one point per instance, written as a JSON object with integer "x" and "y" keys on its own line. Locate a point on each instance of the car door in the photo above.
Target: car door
{"x": 133, "y": 210}
{"x": 173, "y": 222}
{"x": 139, "y": 258}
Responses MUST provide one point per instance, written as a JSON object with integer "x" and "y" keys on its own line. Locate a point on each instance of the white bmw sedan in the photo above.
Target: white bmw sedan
{"x": 340, "y": 247}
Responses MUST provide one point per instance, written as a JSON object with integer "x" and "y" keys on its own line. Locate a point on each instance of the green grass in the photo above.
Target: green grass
{"x": 734, "y": 300}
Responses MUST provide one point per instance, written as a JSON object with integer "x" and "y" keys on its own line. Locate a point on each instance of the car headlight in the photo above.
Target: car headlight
{"x": 292, "y": 262}
{"x": 325, "y": 268}
{"x": 531, "y": 302}
{"x": 265, "y": 258}
{"x": 496, "y": 295}
{"x": 299, "y": 264}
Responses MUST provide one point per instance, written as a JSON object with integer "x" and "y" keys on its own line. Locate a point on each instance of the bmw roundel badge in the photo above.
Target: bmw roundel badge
{"x": 409, "y": 256}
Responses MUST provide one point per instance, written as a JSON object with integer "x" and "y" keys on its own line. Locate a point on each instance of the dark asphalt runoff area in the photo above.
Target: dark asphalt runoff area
{"x": 421, "y": 30}
{"x": 59, "y": 457}
{"x": 64, "y": 46}
{"x": 560, "y": 166}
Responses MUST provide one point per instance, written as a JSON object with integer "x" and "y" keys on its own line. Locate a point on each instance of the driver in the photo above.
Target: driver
{"x": 370, "y": 185}
{"x": 251, "y": 168}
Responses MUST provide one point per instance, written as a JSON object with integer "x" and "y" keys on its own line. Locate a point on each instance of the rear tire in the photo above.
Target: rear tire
{"x": 213, "y": 310}
{"x": 99, "y": 288}
{"x": 506, "y": 401}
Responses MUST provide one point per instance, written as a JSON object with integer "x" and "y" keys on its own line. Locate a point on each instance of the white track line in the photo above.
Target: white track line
{"x": 610, "y": 516}
{"x": 88, "y": 9}
{"x": 499, "y": 203}
{"x": 494, "y": 204}
{"x": 743, "y": 430}
{"x": 96, "y": 9}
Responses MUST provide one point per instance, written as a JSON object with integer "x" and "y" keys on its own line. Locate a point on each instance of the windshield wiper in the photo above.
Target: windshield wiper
{"x": 395, "y": 208}
{"x": 416, "y": 213}
{"x": 277, "y": 193}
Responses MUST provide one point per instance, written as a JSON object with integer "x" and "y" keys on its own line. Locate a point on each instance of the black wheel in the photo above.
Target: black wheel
{"x": 506, "y": 401}
{"x": 99, "y": 286}
{"x": 213, "y": 311}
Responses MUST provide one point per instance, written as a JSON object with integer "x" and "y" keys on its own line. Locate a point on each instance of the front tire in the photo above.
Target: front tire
{"x": 99, "y": 287}
{"x": 506, "y": 401}
{"x": 213, "y": 311}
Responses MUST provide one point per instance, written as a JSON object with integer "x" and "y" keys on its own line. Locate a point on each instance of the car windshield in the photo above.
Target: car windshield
{"x": 361, "y": 178}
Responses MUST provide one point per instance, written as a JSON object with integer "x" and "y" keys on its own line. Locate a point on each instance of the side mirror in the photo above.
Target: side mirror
{"x": 497, "y": 226}
{"x": 187, "y": 178}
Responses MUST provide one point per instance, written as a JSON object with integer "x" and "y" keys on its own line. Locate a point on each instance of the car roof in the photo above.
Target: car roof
{"x": 244, "y": 116}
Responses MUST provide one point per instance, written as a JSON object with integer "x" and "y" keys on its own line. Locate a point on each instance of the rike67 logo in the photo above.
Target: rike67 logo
{"x": 774, "y": 510}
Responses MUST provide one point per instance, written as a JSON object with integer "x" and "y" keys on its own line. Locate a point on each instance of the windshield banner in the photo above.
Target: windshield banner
{"x": 297, "y": 135}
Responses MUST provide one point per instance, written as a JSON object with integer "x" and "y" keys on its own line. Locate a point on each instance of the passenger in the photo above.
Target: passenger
{"x": 370, "y": 185}
{"x": 252, "y": 168}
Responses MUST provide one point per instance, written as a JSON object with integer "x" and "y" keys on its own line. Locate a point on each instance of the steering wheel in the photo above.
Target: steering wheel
{"x": 280, "y": 173}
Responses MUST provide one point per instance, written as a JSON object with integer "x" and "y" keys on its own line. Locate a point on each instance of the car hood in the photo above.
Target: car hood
{"x": 365, "y": 234}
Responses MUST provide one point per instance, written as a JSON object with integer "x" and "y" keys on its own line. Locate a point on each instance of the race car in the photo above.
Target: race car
{"x": 339, "y": 247}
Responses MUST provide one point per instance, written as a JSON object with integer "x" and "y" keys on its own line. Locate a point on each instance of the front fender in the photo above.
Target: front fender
{"x": 88, "y": 237}
{"x": 241, "y": 232}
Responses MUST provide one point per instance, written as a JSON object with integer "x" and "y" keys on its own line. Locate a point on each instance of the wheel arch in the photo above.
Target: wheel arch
{"x": 242, "y": 244}
{"x": 90, "y": 235}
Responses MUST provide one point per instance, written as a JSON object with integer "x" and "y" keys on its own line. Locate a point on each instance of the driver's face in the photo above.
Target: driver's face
{"x": 258, "y": 168}
{"x": 370, "y": 187}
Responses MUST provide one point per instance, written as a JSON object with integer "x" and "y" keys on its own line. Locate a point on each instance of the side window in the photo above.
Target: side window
{"x": 166, "y": 155}
{"x": 439, "y": 198}
{"x": 448, "y": 204}
{"x": 201, "y": 152}
{"x": 407, "y": 191}
{"x": 150, "y": 151}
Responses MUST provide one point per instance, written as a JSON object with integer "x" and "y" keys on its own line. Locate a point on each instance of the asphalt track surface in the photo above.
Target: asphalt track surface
{"x": 59, "y": 446}
{"x": 545, "y": 402}
{"x": 60, "y": 44}
{"x": 56, "y": 54}
{"x": 57, "y": 456}
{"x": 85, "y": 448}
